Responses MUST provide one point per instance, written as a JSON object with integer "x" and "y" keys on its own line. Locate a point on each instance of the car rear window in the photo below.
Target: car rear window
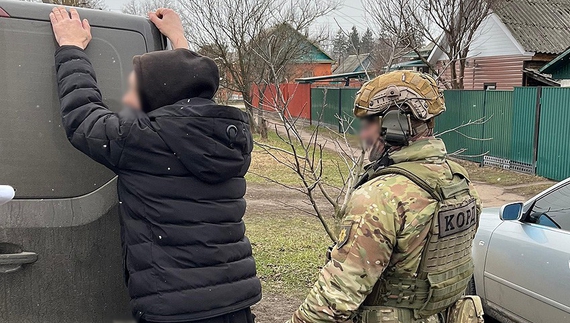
{"x": 35, "y": 156}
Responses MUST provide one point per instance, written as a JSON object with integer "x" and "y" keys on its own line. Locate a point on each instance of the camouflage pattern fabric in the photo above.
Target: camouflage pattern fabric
{"x": 386, "y": 227}
{"x": 466, "y": 310}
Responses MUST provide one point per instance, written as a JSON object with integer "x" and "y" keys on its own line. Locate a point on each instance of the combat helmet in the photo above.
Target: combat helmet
{"x": 412, "y": 92}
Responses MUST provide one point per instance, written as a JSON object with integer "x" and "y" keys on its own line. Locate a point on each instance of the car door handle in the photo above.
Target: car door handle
{"x": 13, "y": 262}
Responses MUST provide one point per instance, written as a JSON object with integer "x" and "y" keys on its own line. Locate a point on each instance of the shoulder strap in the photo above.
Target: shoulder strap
{"x": 440, "y": 190}
{"x": 414, "y": 173}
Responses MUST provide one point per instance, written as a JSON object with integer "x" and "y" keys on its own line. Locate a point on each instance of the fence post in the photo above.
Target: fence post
{"x": 483, "y": 127}
{"x": 536, "y": 127}
{"x": 311, "y": 104}
{"x": 339, "y": 110}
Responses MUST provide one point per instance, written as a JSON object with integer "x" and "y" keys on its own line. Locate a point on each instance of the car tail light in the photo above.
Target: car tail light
{"x": 4, "y": 14}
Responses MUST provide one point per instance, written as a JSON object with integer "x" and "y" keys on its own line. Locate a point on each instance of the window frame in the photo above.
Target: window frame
{"x": 528, "y": 213}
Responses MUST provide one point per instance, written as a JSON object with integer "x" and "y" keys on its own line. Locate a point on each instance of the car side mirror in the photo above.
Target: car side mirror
{"x": 6, "y": 194}
{"x": 511, "y": 212}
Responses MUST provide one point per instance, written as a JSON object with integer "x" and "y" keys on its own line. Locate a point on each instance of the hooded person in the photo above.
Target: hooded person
{"x": 180, "y": 160}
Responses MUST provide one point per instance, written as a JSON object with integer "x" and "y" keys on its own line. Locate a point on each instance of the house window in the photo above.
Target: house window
{"x": 490, "y": 86}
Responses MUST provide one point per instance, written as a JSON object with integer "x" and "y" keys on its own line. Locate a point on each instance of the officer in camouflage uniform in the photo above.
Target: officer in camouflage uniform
{"x": 404, "y": 251}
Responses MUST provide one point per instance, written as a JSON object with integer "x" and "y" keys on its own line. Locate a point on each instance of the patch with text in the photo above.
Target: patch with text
{"x": 457, "y": 218}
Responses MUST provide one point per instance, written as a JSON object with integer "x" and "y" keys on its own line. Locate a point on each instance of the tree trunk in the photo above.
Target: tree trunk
{"x": 262, "y": 123}
{"x": 461, "y": 81}
{"x": 454, "y": 76}
{"x": 249, "y": 109}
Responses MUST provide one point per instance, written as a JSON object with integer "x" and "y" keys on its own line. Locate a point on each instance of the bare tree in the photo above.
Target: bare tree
{"x": 304, "y": 148}
{"x": 229, "y": 31}
{"x": 303, "y": 155}
{"x": 143, "y": 7}
{"x": 451, "y": 25}
{"x": 389, "y": 20}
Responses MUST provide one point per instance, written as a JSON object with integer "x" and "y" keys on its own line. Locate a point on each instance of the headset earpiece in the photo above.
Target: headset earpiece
{"x": 396, "y": 128}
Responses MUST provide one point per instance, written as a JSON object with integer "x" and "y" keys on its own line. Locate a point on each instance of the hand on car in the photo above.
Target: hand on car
{"x": 170, "y": 25}
{"x": 70, "y": 30}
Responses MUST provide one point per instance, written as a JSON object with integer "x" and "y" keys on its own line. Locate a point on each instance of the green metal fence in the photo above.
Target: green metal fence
{"x": 554, "y": 134}
{"x": 463, "y": 108}
{"x": 331, "y": 105}
{"x": 497, "y": 131}
{"x": 483, "y": 123}
{"x": 324, "y": 106}
{"x": 525, "y": 129}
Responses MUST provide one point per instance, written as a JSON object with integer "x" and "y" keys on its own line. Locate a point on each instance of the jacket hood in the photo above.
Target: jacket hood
{"x": 212, "y": 141}
{"x": 166, "y": 77}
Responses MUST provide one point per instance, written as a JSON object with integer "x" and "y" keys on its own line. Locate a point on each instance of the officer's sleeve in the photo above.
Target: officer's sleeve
{"x": 365, "y": 245}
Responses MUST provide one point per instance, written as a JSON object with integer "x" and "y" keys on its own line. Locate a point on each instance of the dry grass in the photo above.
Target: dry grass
{"x": 498, "y": 176}
{"x": 288, "y": 249}
{"x": 265, "y": 166}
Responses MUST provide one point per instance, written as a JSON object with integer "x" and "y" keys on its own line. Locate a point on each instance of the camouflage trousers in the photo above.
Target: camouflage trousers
{"x": 381, "y": 314}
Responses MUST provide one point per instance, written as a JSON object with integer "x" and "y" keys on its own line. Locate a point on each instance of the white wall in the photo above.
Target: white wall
{"x": 493, "y": 39}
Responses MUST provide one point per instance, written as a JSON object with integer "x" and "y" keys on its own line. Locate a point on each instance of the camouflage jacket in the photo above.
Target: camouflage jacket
{"x": 386, "y": 227}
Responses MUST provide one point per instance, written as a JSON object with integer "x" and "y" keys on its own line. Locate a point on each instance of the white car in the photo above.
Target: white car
{"x": 522, "y": 259}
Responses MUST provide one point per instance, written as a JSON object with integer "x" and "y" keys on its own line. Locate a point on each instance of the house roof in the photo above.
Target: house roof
{"x": 404, "y": 65}
{"x": 555, "y": 63}
{"x": 424, "y": 51}
{"x": 334, "y": 77}
{"x": 311, "y": 51}
{"x": 542, "y": 78}
{"x": 314, "y": 53}
{"x": 540, "y": 26}
{"x": 353, "y": 63}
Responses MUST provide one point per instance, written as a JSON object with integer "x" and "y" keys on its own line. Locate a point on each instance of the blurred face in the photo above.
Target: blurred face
{"x": 370, "y": 136}
{"x": 131, "y": 99}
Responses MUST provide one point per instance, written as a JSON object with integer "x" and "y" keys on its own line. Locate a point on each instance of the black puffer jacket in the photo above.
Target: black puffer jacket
{"x": 181, "y": 183}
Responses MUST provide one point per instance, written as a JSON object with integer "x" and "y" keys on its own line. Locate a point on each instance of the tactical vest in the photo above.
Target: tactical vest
{"x": 446, "y": 265}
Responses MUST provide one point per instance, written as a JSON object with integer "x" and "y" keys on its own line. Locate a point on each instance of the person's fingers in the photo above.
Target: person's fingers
{"x": 74, "y": 14}
{"x": 160, "y": 12}
{"x": 64, "y": 13}
{"x": 57, "y": 14}
{"x": 87, "y": 26}
{"x": 154, "y": 18}
{"x": 52, "y": 18}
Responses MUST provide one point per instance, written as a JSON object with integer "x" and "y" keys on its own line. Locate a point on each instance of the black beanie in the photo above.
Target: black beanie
{"x": 166, "y": 77}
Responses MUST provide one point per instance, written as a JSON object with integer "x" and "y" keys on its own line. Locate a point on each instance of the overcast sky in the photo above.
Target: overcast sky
{"x": 351, "y": 14}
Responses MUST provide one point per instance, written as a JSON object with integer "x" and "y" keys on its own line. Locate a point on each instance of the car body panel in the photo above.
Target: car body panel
{"x": 527, "y": 271}
{"x": 65, "y": 212}
{"x": 523, "y": 273}
{"x": 488, "y": 223}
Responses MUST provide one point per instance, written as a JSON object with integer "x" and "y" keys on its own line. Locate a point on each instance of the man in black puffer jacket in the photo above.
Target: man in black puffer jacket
{"x": 180, "y": 160}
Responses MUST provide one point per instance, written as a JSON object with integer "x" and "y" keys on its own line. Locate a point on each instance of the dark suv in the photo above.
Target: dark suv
{"x": 60, "y": 253}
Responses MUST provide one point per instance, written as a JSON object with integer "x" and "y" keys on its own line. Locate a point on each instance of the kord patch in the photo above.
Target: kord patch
{"x": 457, "y": 219}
